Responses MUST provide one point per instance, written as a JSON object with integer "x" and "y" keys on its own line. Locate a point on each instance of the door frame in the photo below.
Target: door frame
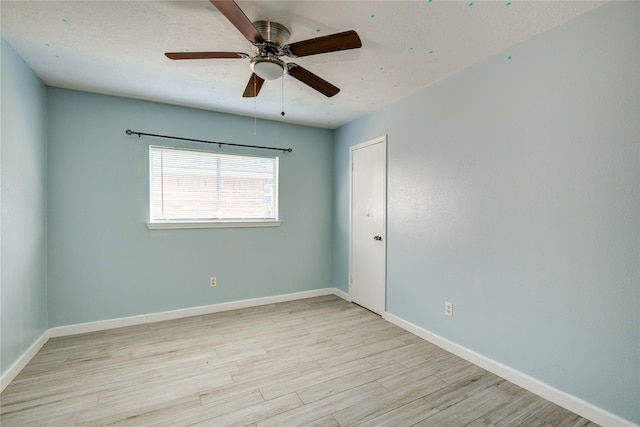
{"x": 378, "y": 140}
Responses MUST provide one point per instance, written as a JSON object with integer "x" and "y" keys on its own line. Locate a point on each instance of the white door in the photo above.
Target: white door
{"x": 367, "y": 252}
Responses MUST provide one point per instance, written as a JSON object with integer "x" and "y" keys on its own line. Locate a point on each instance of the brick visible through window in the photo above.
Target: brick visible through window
{"x": 191, "y": 185}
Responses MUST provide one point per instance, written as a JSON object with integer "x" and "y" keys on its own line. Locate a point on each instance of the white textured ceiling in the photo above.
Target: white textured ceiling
{"x": 117, "y": 48}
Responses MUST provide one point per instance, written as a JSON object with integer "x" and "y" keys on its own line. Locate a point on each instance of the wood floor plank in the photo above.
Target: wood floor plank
{"x": 405, "y": 415}
{"x": 140, "y": 412}
{"x": 62, "y": 411}
{"x": 311, "y": 378}
{"x": 327, "y": 421}
{"x": 468, "y": 410}
{"x": 255, "y": 413}
{"x": 516, "y": 411}
{"x": 313, "y": 362}
{"x": 456, "y": 392}
{"x": 320, "y": 408}
{"x": 480, "y": 422}
{"x": 344, "y": 382}
{"x": 405, "y": 375}
{"x": 370, "y": 409}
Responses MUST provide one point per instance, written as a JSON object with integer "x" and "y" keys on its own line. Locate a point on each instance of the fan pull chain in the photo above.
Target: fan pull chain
{"x": 282, "y": 112}
{"x": 255, "y": 108}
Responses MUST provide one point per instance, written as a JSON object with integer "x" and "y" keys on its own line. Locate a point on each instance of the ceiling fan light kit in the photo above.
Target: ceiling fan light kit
{"x": 268, "y": 42}
{"x": 269, "y": 68}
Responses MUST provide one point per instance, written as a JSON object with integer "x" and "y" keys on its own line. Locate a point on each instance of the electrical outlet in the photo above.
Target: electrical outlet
{"x": 212, "y": 282}
{"x": 448, "y": 309}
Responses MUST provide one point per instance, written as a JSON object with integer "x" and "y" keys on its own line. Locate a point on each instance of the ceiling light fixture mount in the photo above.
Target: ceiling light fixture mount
{"x": 267, "y": 64}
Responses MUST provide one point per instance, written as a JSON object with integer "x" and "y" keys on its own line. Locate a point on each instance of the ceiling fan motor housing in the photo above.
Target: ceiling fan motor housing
{"x": 276, "y": 35}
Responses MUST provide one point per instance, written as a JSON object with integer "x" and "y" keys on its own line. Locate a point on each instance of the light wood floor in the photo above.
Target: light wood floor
{"x": 313, "y": 362}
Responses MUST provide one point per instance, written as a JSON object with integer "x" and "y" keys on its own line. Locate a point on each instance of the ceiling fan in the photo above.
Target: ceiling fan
{"x": 268, "y": 42}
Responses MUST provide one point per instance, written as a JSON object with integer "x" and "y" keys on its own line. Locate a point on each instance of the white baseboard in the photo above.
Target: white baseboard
{"x": 341, "y": 294}
{"x": 101, "y": 325}
{"x": 18, "y": 365}
{"x": 560, "y": 398}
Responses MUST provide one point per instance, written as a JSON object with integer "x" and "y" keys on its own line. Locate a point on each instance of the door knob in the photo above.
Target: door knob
{"x": 378, "y": 238}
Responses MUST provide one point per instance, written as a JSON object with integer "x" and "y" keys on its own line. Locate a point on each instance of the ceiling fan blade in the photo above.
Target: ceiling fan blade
{"x": 310, "y": 79}
{"x": 253, "y": 87}
{"x": 236, "y": 16}
{"x": 206, "y": 55}
{"x": 331, "y": 43}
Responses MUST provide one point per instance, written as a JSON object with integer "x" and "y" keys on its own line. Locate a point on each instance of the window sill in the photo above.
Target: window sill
{"x": 211, "y": 224}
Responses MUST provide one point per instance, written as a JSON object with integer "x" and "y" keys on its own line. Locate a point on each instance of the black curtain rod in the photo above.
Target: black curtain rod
{"x": 284, "y": 150}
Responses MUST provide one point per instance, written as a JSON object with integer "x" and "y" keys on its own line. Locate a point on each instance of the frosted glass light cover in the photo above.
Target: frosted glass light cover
{"x": 267, "y": 69}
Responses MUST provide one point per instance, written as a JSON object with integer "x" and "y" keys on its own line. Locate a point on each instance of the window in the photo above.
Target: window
{"x": 204, "y": 189}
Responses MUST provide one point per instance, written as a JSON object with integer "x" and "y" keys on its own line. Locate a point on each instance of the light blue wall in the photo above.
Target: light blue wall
{"x": 23, "y": 226}
{"x": 103, "y": 261}
{"x": 513, "y": 192}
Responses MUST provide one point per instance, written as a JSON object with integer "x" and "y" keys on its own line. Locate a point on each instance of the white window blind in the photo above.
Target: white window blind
{"x": 199, "y": 186}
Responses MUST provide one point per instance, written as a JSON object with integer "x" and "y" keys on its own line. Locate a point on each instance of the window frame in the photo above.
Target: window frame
{"x": 211, "y": 223}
